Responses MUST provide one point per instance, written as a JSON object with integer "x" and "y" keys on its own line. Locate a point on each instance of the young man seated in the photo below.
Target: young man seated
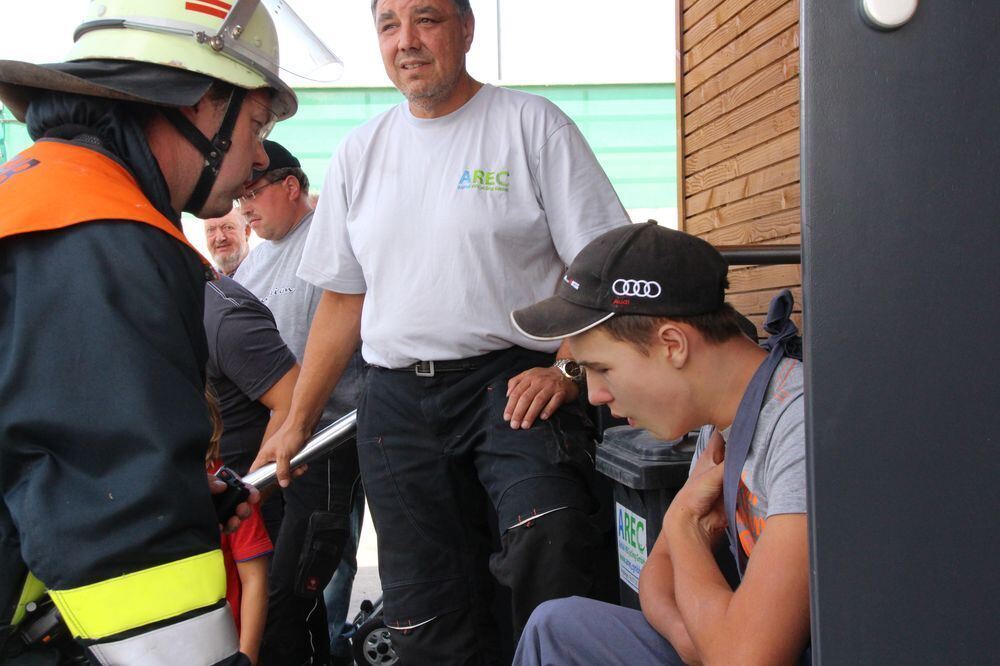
{"x": 643, "y": 308}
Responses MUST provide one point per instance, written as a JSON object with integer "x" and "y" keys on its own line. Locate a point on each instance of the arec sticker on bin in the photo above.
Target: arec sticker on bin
{"x": 631, "y": 546}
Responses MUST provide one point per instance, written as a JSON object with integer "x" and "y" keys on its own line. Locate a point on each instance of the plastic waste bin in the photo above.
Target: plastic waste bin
{"x": 647, "y": 473}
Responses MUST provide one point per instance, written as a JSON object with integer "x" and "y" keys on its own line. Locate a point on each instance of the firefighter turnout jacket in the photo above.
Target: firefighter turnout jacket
{"x": 103, "y": 426}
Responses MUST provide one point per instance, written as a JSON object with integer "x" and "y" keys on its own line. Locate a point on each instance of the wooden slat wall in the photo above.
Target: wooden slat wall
{"x": 738, "y": 136}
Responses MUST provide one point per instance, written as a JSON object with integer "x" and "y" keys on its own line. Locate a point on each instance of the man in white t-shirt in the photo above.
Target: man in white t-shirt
{"x": 435, "y": 220}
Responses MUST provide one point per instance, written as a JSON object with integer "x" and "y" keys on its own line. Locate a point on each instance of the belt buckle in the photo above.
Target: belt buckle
{"x": 424, "y": 369}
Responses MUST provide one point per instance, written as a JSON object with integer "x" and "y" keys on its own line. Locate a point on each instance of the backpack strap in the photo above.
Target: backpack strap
{"x": 783, "y": 333}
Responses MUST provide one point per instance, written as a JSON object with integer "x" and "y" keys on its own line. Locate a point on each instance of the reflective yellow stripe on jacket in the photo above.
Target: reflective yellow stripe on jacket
{"x": 33, "y": 589}
{"x": 134, "y": 600}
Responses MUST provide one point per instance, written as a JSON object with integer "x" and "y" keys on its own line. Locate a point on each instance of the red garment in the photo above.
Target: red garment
{"x": 249, "y": 541}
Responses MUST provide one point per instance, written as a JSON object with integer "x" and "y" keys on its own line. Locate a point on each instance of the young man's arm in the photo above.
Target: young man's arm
{"x": 253, "y": 604}
{"x": 766, "y": 621}
{"x": 333, "y": 336}
{"x": 656, "y": 597}
{"x": 657, "y": 594}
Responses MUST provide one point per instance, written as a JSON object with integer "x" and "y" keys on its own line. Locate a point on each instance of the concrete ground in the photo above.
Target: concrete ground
{"x": 366, "y": 584}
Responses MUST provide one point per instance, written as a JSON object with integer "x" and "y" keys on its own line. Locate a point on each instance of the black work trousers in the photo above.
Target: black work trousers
{"x": 309, "y": 545}
{"x": 436, "y": 456}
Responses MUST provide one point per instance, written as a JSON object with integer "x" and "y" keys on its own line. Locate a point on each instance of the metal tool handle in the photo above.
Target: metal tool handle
{"x": 319, "y": 445}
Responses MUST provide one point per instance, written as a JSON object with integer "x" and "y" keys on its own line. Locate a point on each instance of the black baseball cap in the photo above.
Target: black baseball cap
{"x": 642, "y": 269}
{"x": 279, "y": 158}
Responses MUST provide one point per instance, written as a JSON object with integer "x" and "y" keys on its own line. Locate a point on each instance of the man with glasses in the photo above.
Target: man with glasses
{"x": 276, "y": 206}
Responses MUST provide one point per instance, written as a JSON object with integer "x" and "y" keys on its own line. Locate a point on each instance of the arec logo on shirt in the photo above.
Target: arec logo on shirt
{"x": 484, "y": 180}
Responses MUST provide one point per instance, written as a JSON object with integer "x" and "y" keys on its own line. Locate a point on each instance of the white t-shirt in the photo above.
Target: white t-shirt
{"x": 448, "y": 224}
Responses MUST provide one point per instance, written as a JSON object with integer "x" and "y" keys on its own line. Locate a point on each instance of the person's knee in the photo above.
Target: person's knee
{"x": 553, "y": 546}
{"x": 549, "y": 616}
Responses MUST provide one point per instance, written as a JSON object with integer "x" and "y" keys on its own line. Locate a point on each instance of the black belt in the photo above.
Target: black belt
{"x": 431, "y": 368}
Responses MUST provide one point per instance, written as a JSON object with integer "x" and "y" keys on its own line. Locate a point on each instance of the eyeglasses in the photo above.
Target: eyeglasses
{"x": 250, "y": 195}
{"x": 272, "y": 119}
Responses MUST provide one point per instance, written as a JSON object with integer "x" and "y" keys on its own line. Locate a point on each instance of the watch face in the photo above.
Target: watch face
{"x": 572, "y": 369}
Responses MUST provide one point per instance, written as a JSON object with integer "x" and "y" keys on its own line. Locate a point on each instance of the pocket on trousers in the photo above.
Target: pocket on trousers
{"x": 326, "y": 535}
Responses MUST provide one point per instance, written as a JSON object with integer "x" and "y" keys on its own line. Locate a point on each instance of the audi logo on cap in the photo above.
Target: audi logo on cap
{"x": 637, "y": 288}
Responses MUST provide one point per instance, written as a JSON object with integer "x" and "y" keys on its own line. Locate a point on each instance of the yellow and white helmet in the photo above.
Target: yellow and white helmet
{"x": 234, "y": 41}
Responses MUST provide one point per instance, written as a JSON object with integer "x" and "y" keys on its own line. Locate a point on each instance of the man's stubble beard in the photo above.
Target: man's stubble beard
{"x": 428, "y": 99}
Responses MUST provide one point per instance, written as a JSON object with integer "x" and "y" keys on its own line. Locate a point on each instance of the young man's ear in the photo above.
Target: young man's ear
{"x": 672, "y": 342}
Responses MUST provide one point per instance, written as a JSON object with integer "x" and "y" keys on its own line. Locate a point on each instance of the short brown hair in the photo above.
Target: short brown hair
{"x": 284, "y": 172}
{"x": 719, "y": 326}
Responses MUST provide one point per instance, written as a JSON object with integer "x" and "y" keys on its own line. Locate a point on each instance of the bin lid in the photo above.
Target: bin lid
{"x": 637, "y": 459}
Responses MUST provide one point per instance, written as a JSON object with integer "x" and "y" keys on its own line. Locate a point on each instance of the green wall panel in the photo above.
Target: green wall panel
{"x": 631, "y": 128}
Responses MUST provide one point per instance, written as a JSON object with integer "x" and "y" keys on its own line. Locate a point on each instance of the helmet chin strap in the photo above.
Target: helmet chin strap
{"x": 214, "y": 150}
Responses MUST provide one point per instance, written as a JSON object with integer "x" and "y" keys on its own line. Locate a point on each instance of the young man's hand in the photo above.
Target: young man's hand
{"x": 699, "y": 503}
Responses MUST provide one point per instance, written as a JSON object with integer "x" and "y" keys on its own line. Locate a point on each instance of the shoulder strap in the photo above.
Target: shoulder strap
{"x": 783, "y": 332}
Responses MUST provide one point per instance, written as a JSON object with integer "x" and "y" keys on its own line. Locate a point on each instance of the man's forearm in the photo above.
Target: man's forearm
{"x": 333, "y": 338}
{"x": 702, "y": 594}
{"x": 659, "y": 605}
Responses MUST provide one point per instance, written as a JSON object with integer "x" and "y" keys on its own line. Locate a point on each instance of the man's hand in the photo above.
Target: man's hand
{"x": 700, "y": 501}
{"x": 280, "y": 448}
{"x": 537, "y": 392}
{"x": 217, "y": 487}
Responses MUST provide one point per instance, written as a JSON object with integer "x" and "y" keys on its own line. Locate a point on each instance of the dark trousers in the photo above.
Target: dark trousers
{"x": 307, "y": 550}
{"x": 436, "y": 456}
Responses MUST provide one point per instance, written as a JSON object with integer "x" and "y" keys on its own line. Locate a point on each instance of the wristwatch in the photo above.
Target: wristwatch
{"x": 570, "y": 369}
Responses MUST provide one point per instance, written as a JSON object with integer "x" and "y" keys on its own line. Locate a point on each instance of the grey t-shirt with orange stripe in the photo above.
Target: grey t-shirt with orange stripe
{"x": 774, "y": 475}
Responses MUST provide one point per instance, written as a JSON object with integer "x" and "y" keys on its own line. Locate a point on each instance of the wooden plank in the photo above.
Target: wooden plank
{"x": 730, "y": 30}
{"x": 761, "y": 205}
{"x": 757, "y": 60}
{"x": 791, "y": 239}
{"x": 696, "y": 10}
{"x": 755, "y": 278}
{"x": 718, "y": 16}
{"x": 772, "y": 177}
{"x": 756, "y": 36}
{"x": 754, "y": 302}
{"x": 756, "y": 109}
{"x": 784, "y": 147}
{"x": 770, "y": 77}
{"x": 771, "y": 127}
{"x": 678, "y": 96}
{"x": 772, "y": 227}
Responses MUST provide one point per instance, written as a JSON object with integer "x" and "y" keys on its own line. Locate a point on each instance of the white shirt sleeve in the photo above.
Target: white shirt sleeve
{"x": 328, "y": 260}
{"x": 579, "y": 201}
